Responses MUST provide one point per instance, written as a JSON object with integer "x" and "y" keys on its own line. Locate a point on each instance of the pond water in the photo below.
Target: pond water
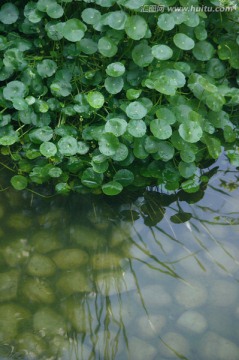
{"x": 141, "y": 277}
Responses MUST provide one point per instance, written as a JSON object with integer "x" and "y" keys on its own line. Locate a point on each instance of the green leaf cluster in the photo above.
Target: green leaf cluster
{"x": 102, "y": 95}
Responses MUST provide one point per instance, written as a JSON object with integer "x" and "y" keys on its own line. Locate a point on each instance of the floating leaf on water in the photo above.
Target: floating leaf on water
{"x": 91, "y": 179}
{"x": 19, "y": 182}
{"x": 124, "y": 176}
{"x": 112, "y": 188}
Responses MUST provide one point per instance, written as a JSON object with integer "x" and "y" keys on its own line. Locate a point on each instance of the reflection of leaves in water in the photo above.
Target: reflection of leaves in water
{"x": 152, "y": 208}
{"x": 129, "y": 215}
{"x": 180, "y": 217}
{"x": 230, "y": 185}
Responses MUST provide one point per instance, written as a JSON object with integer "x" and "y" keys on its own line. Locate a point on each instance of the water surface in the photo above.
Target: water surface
{"x": 146, "y": 276}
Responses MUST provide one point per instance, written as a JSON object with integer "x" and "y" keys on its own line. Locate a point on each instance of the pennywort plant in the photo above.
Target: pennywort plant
{"x": 102, "y": 95}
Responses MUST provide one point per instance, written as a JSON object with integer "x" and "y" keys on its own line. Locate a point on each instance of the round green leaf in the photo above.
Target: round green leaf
{"x": 138, "y": 148}
{"x": 91, "y": 179}
{"x": 43, "y": 134}
{"x": 190, "y": 185}
{"x": 165, "y": 114}
{"x": 9, "y": 14}
{"x": 55, "y": 172}
{"x": 87, "y": 46}
{"x": 160, "y": 129}
{"x": 62, "y": 188}
{"x": 19, "y": 104}
{"x": 216, "y": 68}
{"x": 187, "y": 154}
{"x": 46, "y": 68}
{"x": 190, "y": 131}
{"x": 43, "y": 4}
{"x": 91, "y": 16}
{"x": 112, "y": 188}
{"x": 73, "y": 30}
{"x": 100, "y": 164}
{"x": 203, "y": 51}
{"x": 61, "y": 88}
{"x": 142, "y": 55}
{"x": 162, "y": 52}
{"x": 95, "y": 99}
{"x": 183, "y": 41}
{"x": 135, "y": 110}
{"x": 165, "y": 151}
{"x": 179, "y": 17}
{"x": 115, "y": 69}
{"x": 124, "y": 177}
{"x": 166, "y": 22}
{"x": 14, "y": 89}
{"x": 192, "y": 19}
{"x": 67, "y": 146}
{"x": 121, "y": 153}
{"x": 151, "y": 144}
{"x": 107, "y": 47}
{"x": 134, "y": 4}
{"x": 136, "y": 27}
{"x": 108, "y": 144}
{"x": 19, "y": 182}
{"x": 164, "y": 85}
{"x": 215, "y": 101}
{"x": 187, "y": 169}
{"x": 54, "y": 10}
{"x": 7, "y": 140}
{"x": 104, "y": 3}
{"x": 133, "y": 94}
{"x": 200, "y": 32}
{"x": 114, "y": 85}
{"x": 48, "y": 149}
{"x": 213, "y": 145}
{"x": 137, "y": 128}
{"x": 32, "y": 13}
{"x": 116, "y": 20}
{"x": 83, "y": 148}
{"x": 55, "y": 31}
{"x": 116, "y": 126}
